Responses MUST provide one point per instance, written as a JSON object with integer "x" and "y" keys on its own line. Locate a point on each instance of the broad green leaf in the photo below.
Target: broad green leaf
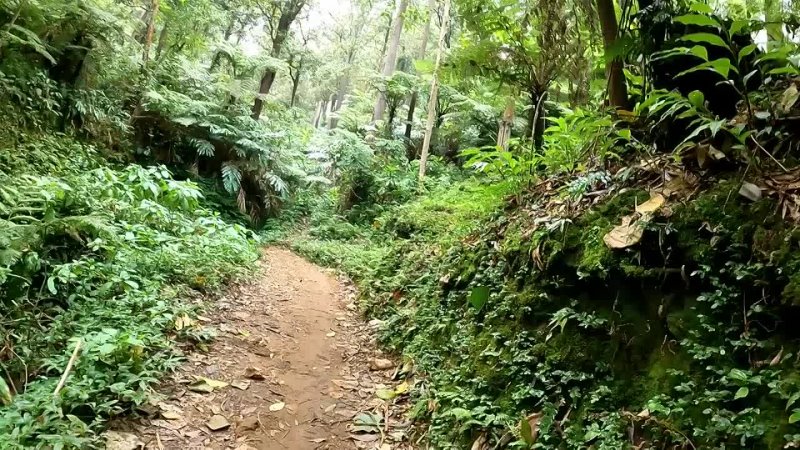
{"x": 737, "y": 26}
{"x": 701, "y": 8}
{"x": 51, "y": 285}
{"x": 526, "y": 431}
{"x": 746, "y": 50}
{"x": 699, "y": 51}
{"x": 721, "y": 66}
{"x": 478, "y": 297}
{"x": 741, "y": 393}
{"x": 795, "y": 417}
{"x": 707, "y": 38}
{"x": 697, "y": 19}
{"x": 697, "y": 99}
{"x": 5, "y": 393}
{"x": 738, "y": 375}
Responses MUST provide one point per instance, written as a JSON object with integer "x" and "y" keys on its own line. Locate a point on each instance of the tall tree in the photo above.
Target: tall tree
{"x": 390, "y": 63}
{"x": 426, "y": 142}
{"x": 615, "y": 76}
{"x": 423, "y": 49}
{"x": 279, "y": 14}
{"x": 149, "y": 32}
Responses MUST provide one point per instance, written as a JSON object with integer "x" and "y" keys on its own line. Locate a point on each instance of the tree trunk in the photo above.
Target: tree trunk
{"x": 162, "y": 41}
{"x": 423, "y": 47}
{"x": 391, "y": 56}
{"x": 288, "y": 15}
{"x": 617, "y": 86}
{"x": 263, "y": 89}
{"x": 148, "y": 36}
{"x": 426, "y": 142}
{"x": 506, "y": 122}
{"x": 317, "y": 115}
{"x": 331, "y": 109}
{"x": 295, "y": 84}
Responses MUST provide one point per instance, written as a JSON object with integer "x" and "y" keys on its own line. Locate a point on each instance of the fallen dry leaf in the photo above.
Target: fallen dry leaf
{"x": 380, "y": 364}
{"x": 750, "y": 191}
{"x": 217, "y": 423}
{"x": 625, "y": 235}
{"x": 277, "y": 406}
{"x": 206, "y": 385}
{"x": 650, "y": 206}
{"x": 242, "y": 385}
{"x": 116, "y": 440}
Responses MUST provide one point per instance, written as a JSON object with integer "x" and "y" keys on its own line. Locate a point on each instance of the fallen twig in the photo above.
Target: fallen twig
{"x": 69, "y": 367}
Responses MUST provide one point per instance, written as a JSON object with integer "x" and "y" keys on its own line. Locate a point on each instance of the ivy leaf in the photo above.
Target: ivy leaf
{"x": 741, "y": 393}
{"x": 478, "y": 297}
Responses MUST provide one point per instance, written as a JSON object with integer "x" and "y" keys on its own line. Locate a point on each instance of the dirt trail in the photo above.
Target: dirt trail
{"x": 296, "y": 360}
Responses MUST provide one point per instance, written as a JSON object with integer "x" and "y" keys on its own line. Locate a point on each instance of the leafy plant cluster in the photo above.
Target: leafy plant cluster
{"x": 99, "y": 257}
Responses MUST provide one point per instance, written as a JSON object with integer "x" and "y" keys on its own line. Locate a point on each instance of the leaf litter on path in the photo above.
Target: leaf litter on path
{"x": 304, "y": 374}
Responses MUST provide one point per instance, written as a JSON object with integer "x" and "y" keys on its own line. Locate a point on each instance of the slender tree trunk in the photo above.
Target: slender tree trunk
{"x": 506, "y": 122}
{"x": 391, "y": 56}
{"x": 423, "y": 47}
{"x": 317, "y": 115}
{"x": 148, "y": 36}
{"x": 617, "y": 86}
{"x": 385, "y": 44}
{"x": 162, "y": 41}
{"x": 331, "y": 109}
{"x": 295, "y": 84}
{"x": 434, "y": 97}
{"x": 266, "y": 85}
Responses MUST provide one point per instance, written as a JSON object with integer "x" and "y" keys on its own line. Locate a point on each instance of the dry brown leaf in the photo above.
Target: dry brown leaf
{"x": 625, "y": 235}
{"x": 652, "y": 205}
{"x": 750, "y": 191}
{"x": 217, "y": 423}
{"x": 789, "y": 98}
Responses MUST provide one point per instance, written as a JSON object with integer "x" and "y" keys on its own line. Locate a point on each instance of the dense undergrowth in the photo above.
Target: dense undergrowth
{"x": 100, "y": 255}
{"x": 507, "y": 313}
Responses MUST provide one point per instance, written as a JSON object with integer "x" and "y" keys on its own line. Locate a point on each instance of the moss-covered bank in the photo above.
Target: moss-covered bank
{"x": 685, "y": 340}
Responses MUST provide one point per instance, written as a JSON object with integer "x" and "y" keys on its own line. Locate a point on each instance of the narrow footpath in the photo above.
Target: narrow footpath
{"x": 293, "y": 366}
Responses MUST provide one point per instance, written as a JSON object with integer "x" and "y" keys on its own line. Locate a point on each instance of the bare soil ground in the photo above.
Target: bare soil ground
{"x": 294, "y": 367}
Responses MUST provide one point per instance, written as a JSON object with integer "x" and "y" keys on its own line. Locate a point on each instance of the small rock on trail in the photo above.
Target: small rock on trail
{"x": 298, "y": 366}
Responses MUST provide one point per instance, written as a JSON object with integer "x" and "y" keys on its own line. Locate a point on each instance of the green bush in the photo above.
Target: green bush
{"x": 101, "y": 257}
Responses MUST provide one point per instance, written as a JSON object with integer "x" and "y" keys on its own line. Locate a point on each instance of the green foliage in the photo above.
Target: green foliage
{"x": 99, "y": 256}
